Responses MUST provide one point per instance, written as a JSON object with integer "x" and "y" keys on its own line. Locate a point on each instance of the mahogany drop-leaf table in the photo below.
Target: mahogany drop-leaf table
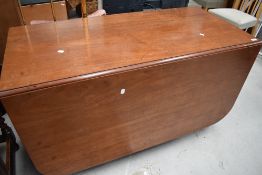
{"x": 84, "y": 92}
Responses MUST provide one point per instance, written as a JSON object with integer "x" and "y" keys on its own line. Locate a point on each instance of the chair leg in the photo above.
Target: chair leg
{"x": 254, "y": 29}
{"x": 84, "y": 10}
{"x": 7, "y": 157}
{"x": 53, "y": 10}
{"x": 13, "y": 147}
{"x": 205, "y": 8}
{"x": 3, "y": 170}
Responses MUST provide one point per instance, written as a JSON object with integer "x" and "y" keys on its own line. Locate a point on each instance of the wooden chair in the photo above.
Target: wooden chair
{"x": 84, "y": 13}
{"x": 100, "y": 12}
{"x": 8, "y": 137}
{"x": 40, "y": 21}
{"x": 244, "y": 14}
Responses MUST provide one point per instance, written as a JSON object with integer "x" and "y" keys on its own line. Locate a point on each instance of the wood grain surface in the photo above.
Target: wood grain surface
{"x": 76, "y": 126}
{"x": 108, "y": 42}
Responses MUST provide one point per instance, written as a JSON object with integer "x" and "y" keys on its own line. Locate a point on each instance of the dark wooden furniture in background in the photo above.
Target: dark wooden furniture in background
{"x": 105, "y": 87}
{"x": 7, "y": 136}
{"x": 119, "y": 6}
{"x": 9, "y": 16}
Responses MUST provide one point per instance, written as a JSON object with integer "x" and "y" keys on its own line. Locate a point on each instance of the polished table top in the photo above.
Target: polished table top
{"x": 43, "y": 55}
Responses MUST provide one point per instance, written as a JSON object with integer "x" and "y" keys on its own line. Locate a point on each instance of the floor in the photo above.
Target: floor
{"x": 230, "y": 147}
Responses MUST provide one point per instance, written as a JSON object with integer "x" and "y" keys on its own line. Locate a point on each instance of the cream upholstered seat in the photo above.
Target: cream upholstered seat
{"x": 236, "y": 17}
{"x": 244, "y": 14}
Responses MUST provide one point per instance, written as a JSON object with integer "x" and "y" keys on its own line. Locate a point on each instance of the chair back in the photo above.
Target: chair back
{"x": 37, "y": 21}
{"x": 252, "y": 7}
